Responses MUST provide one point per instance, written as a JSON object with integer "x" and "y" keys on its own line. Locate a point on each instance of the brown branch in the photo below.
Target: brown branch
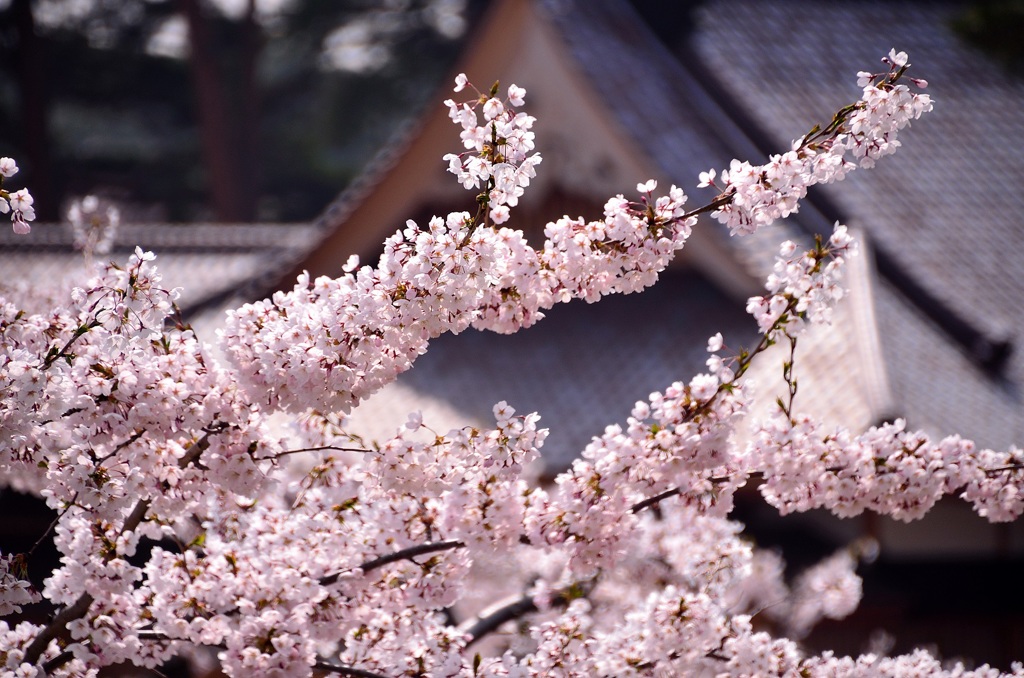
{"x": 651, "y": 501}
{"x": 196, "y": 449}
{"x": 347, "y": 670}
{"x": 57, "y": 629}
{"x": 52, "y": 525}
{"x": 403, "y": 554}
{"x": 1000, "y": 469}
{"x": 58, "y": 661}
{"x": 54, "y": 356}
{"x": 519, "y": 607}
{"x": 319, "y": 448}
{"x": 721, "y": 201}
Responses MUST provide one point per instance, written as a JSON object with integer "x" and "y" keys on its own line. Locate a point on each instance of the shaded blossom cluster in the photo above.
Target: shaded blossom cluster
{"x": 18, "y": 203}
{"x": 187, "y": 528}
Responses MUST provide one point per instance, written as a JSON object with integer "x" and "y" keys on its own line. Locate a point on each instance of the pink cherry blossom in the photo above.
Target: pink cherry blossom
{"x": 191, "y": 523}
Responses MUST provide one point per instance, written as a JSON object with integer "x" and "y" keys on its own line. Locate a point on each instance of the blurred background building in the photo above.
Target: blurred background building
{"x": 246, "y": 141}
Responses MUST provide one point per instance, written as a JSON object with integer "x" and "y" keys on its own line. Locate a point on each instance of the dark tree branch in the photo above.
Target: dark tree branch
{"x": 1000, "y": 469}
{"x": 520, "y": 607}
{"x": 320, "y": 448}
{"x": 346, "y": 670}
{"x": 58, "y": 627}
{"x": 651, "y": 501}
{"x": 488, "y": 624}
{"x": 403, "y": 554}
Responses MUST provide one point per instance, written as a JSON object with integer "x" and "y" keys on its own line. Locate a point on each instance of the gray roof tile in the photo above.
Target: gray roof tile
{"x": 945, "y": 206}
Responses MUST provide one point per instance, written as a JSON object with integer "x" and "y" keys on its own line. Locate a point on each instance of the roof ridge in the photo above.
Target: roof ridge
{"x": 988, "y": 352}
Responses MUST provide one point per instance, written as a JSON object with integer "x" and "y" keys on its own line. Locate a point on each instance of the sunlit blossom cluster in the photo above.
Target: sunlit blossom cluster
{"x": 803, "y": 286}
{"x": 760, "y": 194}
{"x": 186, "y": 528}
{"x": 886, "y": 469}
{"x": 332, "y": 341}
{"x": 498, "y": 156}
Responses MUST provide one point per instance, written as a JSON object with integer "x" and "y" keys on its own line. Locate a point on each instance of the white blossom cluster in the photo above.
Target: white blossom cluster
{"x": 760, "y": 194}
{"x": 19, "y": 203}
{"x": 802, "y": 286}
{"x": 498, "y": 156}
{"x": 17, "y": 591}
{"x": 886, "y": 469}
{"x": 186, "y": 529}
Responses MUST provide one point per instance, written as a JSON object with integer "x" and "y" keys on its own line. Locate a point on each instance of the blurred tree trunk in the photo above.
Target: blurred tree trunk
{"x": 31, "y": 70}
{"x": 231, "y": 199}
{"x": 250, "y": 143}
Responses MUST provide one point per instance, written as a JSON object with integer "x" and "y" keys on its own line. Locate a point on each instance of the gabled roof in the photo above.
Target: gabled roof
{"x": 217, "y": 266}
{"x": 614, "y": 107}
{"x": 944, "y": 211}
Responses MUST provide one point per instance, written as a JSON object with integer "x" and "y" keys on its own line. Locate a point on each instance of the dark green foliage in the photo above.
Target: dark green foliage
{"x": 997, "y": 28}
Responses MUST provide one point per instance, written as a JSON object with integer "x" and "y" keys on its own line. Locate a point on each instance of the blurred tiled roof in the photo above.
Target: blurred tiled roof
{"x": 214, "y": 264}
{"x": 944, "y": 210}
{"x": 895, "y": 348}
{"x": 582, "y": 367}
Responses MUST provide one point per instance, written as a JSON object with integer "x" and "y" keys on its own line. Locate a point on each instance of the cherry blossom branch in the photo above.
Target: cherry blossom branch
{"x": 154, "y": 636}
{"x": 789, "y": 378}
{"x": 57, "y": 629}
{"x": 55, "y": 354}
{"x": 1002, "y": 469}
{"x": 651, "y": 501}
{"x": 57, "y": 662}
{"x": 411, "y": 552}
{"x": 131, "y": 439}
{"x": 719, "y": 202}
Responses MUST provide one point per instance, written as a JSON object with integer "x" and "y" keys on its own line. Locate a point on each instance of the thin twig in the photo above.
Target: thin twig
{"x": 721, "y": 201}
{"x": 51, "y": 526}
{"x": 320, "y": 448}
{"x": 52, "y": 357}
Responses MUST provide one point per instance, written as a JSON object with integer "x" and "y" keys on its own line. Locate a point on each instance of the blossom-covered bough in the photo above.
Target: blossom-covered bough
{"x": 19, "y": 203}
{"x": 188, "y": 526}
